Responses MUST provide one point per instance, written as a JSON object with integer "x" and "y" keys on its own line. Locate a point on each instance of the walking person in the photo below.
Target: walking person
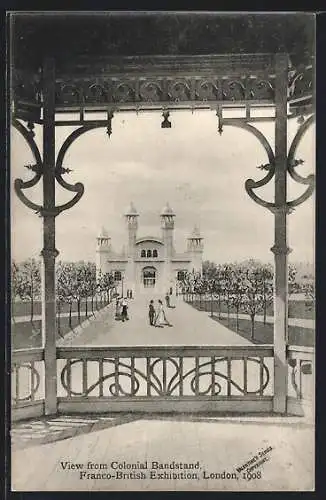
{"x": 168, "y": 301}
{"x": 151, "y": 313}
{"x": 161, "y": 318}
{"x": 118, "y": 309}
{"x": 124, "y": 312}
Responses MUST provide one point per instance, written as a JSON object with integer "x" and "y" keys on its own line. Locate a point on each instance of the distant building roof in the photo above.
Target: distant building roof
{"x": 180, "y": 258}
{"x": 131, "y": 210}
{"x": 103, "y": 233}
{"x": 167, "y": 210}
{"x": 195, "y": 234}
{"x": 144, "y": 239}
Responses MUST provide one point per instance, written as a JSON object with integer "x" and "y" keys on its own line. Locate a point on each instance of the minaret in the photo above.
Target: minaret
{"x": 131, "y": 216}
{"x": 103, "y": 249}
{"x": 195, "y": 248}
{"x": 167, "y": 224}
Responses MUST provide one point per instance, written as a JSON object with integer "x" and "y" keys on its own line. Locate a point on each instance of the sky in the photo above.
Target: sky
{"x": 200, "y": 173}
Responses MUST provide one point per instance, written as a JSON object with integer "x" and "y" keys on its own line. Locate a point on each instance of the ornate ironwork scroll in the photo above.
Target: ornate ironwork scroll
{"x": 250, "y": 184}
{"x": 162, "y": 80}
{"x": 19, "y": 184}
{"x": 292, "y": 163}
{"x": 142, "y": 90}
{"x": 167, "y": 384}
{"x": 59, "y": 170}
{"x": 37, "y": 168}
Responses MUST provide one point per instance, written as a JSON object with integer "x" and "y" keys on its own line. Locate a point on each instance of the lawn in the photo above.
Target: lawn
{"x": 20, "y": 308}
{"x": 29, "y": 334}
{"x": 297, "y": 308}
{"x": 264, "y": 333}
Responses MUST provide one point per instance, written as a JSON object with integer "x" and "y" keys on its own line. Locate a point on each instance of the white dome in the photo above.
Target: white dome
{"x": 131, "y": 210}
{"x": 167, "y": 210}
{"x": 103, "y": 233}
{"x": 195, "y": 233}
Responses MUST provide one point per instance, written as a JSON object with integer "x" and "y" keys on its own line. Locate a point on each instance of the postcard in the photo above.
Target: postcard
{"x": 162, "y": 251}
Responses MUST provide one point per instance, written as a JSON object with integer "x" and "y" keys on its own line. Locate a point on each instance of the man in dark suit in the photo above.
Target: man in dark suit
{"x": 151, "y": 313}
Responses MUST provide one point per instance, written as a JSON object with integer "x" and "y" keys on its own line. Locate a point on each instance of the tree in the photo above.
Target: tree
{"x": 267, "y": 276}
{"x": 28, "y": 282}
{"x": 226, "y": 284}
{"x": 215, "y": 282}
{"x": 292, "y": 279}
{"x": 86, "y": 279}
{"x": 66, "y": 287}
{"x": 187, "y": 285}
{"x": 310, "y": 294}
{"x": 237, "y": 289}
{"x": 15, "y": 285}
{"x": 253, "y": 298}
{"x": 105, "y": 283}
{"x": 77, "y": 281}
{"x": 218, "y": 286}
{"x": 209, "y": 270}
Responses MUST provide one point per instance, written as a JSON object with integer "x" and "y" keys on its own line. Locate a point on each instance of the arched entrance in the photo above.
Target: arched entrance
{"x": 149, "y": 277}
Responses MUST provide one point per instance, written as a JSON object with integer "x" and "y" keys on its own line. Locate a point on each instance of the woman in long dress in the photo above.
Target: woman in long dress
{"x": 124, "y": 311}
{"x": 118, "y": 309}
{"x": 161, "y": 319}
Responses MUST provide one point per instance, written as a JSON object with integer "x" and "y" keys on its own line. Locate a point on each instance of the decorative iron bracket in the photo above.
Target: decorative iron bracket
{"x": 250, "y": 184}
{"x": 19, "y": 184}
{"x": 38, "y": 169}
{"x": 292, "y": 163}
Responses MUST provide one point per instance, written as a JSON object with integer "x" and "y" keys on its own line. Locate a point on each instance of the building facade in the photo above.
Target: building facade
{"x": 147, "y": 263}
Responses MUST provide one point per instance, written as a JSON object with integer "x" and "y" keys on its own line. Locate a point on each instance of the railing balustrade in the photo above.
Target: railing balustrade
{"x": 27, "y": 383}
{"x": 301, "y": 380}
{"x": 176, "y": 378}
{"x": 161, "y": 379}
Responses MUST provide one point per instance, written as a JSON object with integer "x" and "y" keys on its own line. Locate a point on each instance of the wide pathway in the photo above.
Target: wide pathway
{"x": 189, "y": 327}
{"x": 302, "y": 322}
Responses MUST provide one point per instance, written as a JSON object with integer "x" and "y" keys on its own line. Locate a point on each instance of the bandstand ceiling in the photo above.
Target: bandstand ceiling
{"x": 67, "y": 36}
{"x": 115, "y": 61}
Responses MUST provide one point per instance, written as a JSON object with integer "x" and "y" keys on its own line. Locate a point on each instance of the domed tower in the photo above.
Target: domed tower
{"x": 131, "y": 216}
{"x": 103, "y": 248}
{"x": 195, "y": 248}
{"x": 167, "y": 224}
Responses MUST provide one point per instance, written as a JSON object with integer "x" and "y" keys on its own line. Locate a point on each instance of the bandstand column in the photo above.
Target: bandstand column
{"x": 49, "y": 251}
{"x": 280, "y": 248}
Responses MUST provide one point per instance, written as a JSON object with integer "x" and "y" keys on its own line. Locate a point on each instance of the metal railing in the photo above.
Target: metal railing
{"x": 171, "y": 378}
{"x": 161, "y": 378}
{"x": 301, "y": 372}
{"x": 27, "y": 383}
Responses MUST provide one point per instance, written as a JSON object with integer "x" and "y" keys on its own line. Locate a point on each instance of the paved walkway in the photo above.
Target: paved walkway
{"x": 189, "y": 327}
{"x": 302, "y": 322}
